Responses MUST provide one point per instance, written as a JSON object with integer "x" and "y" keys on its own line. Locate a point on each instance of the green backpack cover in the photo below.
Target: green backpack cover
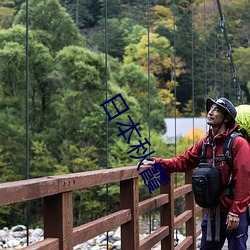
{"x": 243, "y": 119}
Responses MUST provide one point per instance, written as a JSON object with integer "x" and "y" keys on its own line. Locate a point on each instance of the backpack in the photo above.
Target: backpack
{"x": 243, "y": 120}
{"x": 206, "y": 179}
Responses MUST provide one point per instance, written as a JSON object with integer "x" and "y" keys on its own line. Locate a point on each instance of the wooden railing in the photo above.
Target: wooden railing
{"x": 59, "y": 232}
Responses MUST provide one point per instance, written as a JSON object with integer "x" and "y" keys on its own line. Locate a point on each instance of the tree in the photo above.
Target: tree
{"x": 40, "y": 60}
{"x": 53, "y": 25}
{"x": 84, "y": 13}
{"x": 161, "y": 57}
{"x": 135, "y": 81}
{"x": 118, "y": 31}
{"x": 6, "y": 17}
{"x": 161, "y": 16}
{"x": 242, "y": 64}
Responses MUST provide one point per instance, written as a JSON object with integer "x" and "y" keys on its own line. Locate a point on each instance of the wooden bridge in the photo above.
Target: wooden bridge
{"x": 59, "y": 233}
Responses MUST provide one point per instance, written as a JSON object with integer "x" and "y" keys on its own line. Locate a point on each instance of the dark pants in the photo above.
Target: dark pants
{"x": 237, "y": 238}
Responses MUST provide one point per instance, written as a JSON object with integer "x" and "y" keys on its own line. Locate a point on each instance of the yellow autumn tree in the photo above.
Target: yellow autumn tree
{"x": 161, "y": 16}
{"x": 6, "y": 17}
{"x": 155, "y": 53}
{"x": 159, "y": 52}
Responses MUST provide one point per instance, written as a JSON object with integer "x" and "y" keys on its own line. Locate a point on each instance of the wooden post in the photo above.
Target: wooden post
{"x": 190, "y": 205}
{"x": 58, "y": 219}
{"x": 129, "y": 197}
{"x": 167, "y": 214}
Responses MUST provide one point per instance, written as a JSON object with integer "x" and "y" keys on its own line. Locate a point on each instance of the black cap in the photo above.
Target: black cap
{"x": 223, "y": 103}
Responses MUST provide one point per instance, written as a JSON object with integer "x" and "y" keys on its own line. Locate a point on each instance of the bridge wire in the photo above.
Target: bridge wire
{"x": 27, "y": 204}
{"x": 175, "y": 95}
{"x": 205, "y": 49}
{"x": 222, "y": 68}
{"x": 149, "y": 122}
{"x": 192, "y": 77}
{"x": 229, "y": 55}
{"x": 215, "y": 52}
{"x": 106, "y": 81}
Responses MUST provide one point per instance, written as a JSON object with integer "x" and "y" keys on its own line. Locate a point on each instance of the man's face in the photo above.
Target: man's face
{"x": 215, "y": 116}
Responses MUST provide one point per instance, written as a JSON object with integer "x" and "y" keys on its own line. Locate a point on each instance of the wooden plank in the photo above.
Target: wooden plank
{"x": 152, "y": 203}
{"x": 198, "y": 208}
{"x": 167, "y": 214}
{"x": 182, "y": 218}
{"x": 154, "y": 238}
{"x": 58, "y": 219}
{"x": 46, "y": 244}
{"x": 90, "y": 230}
{"x": 98, "y": 177}
{"x": 198, "y": 231}
{"x": 24, "y": 190}
{"x": 182, "y": 190}
{"x": 185, "y": 244}
{"x": 190, "y": 205}
{"x": 129, "y": 197}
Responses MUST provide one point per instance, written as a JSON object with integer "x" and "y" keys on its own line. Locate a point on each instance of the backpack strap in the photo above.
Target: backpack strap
{"x": 227, "y": 148}
{"x": 203, "y": 152}
{"x": 227, "y": 151}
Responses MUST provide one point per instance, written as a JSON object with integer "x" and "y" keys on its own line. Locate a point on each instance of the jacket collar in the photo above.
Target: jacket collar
{"x": 221, "y": 136}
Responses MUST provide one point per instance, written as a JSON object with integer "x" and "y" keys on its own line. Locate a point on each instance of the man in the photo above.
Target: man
{"x": 221, "y": 115}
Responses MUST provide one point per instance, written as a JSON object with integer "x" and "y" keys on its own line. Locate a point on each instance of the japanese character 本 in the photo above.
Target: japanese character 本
{"x": 116, "y": 108}
{"x": 132, "y": 127}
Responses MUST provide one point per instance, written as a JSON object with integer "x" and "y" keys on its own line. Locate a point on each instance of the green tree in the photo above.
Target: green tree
{"x": 53, "y": 25}
{"x": 242, "y": 64}
{"x": 135, "y": 81}
{"x": 84, "y": 13}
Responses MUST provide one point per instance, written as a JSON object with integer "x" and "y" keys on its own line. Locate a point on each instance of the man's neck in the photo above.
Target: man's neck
{"x": 216, "y": 130}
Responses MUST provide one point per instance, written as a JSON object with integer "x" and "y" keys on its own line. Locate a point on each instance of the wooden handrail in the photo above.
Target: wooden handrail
{"x": 58, "y": 209}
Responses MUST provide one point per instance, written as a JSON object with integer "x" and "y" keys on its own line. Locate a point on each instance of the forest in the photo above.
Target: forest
{"x": 164, "y": 57}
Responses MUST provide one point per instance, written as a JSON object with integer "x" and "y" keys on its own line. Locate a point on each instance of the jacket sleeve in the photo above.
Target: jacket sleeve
{"x": 185, "y": 162}
{"x": 241, "y": 175}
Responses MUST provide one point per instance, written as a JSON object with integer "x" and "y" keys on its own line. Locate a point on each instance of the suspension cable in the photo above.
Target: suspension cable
{"x": 215, "y": 52}
{"x": 149, "y": 122}
{"x": 106, "y": 82}
{"x": 27, "y": 207}
{"x": 174, "y": 74}
{"x": 205, "y": 50}
{"x": 192, "y": 76}
{"x": 229, "y": 53}
{"x": 175, "y": 95}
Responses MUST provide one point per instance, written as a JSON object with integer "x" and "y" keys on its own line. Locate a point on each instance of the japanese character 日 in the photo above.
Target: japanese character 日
{"x": 118, "y": 111}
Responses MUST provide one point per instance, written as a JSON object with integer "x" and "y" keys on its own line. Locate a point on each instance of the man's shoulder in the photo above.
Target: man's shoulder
{"x": 240, "y": 143}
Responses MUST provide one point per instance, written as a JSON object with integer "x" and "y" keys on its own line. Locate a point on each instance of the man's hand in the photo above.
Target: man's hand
{"x": 232, "y": 222}
{"x": 146, "y": 162}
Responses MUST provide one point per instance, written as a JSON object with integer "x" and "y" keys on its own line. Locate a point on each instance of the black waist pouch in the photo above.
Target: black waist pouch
{"x": 206, "y": 183}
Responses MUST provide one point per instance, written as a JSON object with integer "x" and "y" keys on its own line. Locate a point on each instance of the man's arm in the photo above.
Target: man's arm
{"x": 185, "y": 162}
{"x": 241, "y": 175}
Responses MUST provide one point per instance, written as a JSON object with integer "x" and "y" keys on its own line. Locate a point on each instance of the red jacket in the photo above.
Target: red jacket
{"x": 241, "y": 167}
